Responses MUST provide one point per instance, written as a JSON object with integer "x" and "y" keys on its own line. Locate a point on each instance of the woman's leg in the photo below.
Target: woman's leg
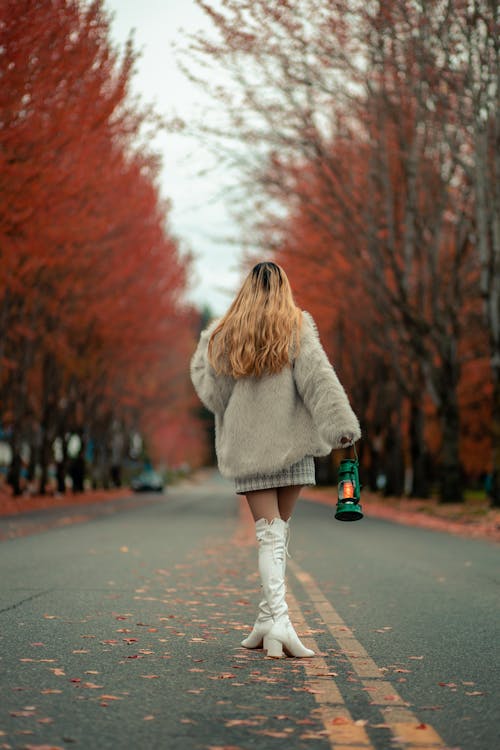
{"x": 287, "y": 497}
{"x": 263, "y": 504}
{"x": 273, "y": 622}
{"x": 273, "y": 503}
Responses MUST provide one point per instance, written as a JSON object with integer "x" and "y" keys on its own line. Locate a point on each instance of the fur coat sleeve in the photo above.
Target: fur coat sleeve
{"x": 322, "y": 391}
{"x": 214, "y": 390}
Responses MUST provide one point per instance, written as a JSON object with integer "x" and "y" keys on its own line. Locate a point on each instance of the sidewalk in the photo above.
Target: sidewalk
{"x": 464, "y": 519}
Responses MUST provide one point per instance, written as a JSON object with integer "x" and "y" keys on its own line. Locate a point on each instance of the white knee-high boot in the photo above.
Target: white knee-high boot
{"x": 264, "y": 619}
{"x": 272, "y": 550}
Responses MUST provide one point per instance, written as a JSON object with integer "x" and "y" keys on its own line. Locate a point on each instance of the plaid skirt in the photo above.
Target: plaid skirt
{"x": 300, "y": 473}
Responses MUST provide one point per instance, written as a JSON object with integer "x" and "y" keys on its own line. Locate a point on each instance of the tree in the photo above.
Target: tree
{"x": 92, "y": 318}
{"x": 337, "y": 105}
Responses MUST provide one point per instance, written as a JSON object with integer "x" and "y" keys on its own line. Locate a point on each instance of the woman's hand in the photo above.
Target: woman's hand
{"x": 347, "y": 439}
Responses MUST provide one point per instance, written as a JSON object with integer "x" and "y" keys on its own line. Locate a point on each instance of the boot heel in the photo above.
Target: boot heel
{"x": 273, "y": 647}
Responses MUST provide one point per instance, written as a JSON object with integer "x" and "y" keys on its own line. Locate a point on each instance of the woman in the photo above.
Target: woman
{"x": 277, "y": 402}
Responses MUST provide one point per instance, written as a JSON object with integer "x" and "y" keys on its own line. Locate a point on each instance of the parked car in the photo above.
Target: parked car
{"x": 148, "y": 481}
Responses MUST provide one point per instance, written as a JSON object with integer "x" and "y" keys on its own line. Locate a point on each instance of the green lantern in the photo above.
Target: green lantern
{"x": 349, "y": 489}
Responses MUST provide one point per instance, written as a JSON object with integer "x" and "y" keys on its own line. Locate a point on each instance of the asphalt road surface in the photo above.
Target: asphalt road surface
{"x": 120, "y": 627}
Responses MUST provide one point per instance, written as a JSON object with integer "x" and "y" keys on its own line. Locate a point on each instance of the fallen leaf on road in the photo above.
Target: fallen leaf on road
{"x": 151, "y": 676}
{"x": 431, "y": 708}
{"x": 22, "y": 714}
{"x": 150, "y": 717}
{"x": 474, "y": 692}
{"x": 340, "y": 720}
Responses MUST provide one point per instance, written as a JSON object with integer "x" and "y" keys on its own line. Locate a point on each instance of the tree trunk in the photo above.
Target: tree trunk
{"x": 495, "y": 484}
{"x": 451, "y": 490}
{"x": 420, "y": 482}
{"x": 45, "y": 455}
{"x": 61, "y": 476}
{"x": 394, "y": 462}
{"x": 14, "y": 475}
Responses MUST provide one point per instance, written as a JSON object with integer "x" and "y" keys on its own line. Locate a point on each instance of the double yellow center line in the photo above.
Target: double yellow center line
{"x": 343, "y": 732}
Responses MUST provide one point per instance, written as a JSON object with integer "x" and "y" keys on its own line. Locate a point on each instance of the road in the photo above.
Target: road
{"x": 122, "y": 630}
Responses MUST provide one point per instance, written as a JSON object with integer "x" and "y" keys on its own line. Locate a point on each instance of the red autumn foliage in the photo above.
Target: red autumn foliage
{"x": 93, "y": 327}
{"x": 366, "y": 132}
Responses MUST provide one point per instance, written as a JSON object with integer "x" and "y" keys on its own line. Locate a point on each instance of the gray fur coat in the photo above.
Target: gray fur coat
{"x": 265, "y": 424}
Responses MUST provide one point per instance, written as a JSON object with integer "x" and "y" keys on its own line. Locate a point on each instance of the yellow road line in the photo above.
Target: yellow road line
{"x": 340, "y": 727}
{"x": 404, "y": 725}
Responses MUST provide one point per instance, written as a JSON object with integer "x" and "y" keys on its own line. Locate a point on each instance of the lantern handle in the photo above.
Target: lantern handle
{"x": 353, "y": 446}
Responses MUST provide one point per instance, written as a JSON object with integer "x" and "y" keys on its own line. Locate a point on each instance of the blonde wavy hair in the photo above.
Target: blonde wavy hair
{"x": 261, "y": 330}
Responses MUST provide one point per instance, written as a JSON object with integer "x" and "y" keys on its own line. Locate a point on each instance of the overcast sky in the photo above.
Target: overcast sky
{"x": 198, "y": 217}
